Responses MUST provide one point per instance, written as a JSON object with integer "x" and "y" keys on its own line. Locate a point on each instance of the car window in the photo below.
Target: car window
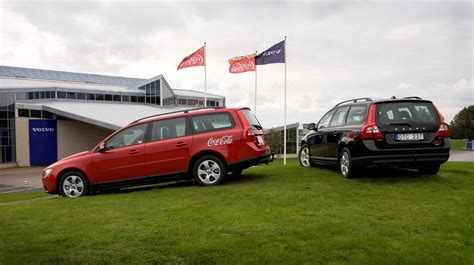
{"x": 129, "y": 136}
{"x": 406, "y": 112}
{"x": 339, "y": 116}
{"x": 356, "y": 115}
{"x": 324, "y": 122}
{"x": 167, "y": 129}
{"x": 251, "y": 119}
{"x": 212, "y": 122}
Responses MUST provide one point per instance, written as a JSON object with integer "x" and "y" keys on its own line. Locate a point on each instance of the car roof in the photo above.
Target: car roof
{"x": 183, "y": 113}
{"x": 368, "y": 101}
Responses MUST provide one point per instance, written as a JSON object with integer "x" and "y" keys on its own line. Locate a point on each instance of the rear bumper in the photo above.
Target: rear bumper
{"x": 246, "y": 163}
{"x": 401, "y": 159}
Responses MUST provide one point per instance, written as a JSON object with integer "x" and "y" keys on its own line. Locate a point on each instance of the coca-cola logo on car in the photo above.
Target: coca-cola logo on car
{"x": 226, "y": 139}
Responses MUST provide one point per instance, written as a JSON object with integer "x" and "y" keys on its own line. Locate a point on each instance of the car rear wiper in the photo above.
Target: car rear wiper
{"x": 401, "y": 123}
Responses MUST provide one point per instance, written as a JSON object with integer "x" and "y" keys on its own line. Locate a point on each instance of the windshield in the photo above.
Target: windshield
{"x": 251, "y": 118}
{"x": 406, "y": 113}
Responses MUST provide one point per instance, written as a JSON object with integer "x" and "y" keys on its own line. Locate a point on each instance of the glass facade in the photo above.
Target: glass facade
{"x": 7, "y": 127}
{"x": 275, "y": 140}
{"x": 78, "y": 96}
{"x": 152, "y": 92}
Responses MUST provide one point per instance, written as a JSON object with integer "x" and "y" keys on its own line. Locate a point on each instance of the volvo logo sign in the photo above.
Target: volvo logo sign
{"x": 42, "y": 129}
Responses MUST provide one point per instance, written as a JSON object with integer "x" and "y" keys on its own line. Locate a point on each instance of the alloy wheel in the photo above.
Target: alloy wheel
{"x": 304, "y": 157}
{"x": 209, "y": 171}
{"x": 345, "y": 163}
{"x": 73, "y": 186}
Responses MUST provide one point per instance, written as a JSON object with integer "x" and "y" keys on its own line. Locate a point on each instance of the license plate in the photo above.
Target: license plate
{"x": 259, "y": 139}
{"x": 409, "y": 137}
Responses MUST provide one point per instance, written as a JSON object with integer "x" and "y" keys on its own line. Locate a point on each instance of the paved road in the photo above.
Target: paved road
{"x": 13, "y": 179}
{"x": 460, "y": 155}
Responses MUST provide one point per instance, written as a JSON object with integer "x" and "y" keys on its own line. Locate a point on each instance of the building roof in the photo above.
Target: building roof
{"x": 21, "y": 72}
{"x": 107, "y": 115}
{"x": 194, "y": 94}
{"x": 18, "y": 83}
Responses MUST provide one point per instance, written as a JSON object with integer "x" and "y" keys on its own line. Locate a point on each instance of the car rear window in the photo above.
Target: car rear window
{"x": 212, "y": 122}
{"x": 251, "y": 118}
{"x": 406, "y": 112}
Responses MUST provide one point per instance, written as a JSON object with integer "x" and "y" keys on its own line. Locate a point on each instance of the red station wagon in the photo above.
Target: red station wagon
{"x": 203, "y": 144}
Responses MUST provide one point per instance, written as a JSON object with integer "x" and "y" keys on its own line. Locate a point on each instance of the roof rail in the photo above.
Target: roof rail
{"x": 414, "y": 97}
{"x": 174, "y": 112}
{"x": 353, "y": 100}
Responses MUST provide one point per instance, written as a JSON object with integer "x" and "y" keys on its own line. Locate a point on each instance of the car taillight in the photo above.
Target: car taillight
{"x": 443, "y": 130}
{"x": 371, "y": 131}
{"x": 253, "y": 133}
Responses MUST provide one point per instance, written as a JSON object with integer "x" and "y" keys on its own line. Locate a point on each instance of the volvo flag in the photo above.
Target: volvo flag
{"x": 197, "y": 58}
{"x": 276, "y": 54}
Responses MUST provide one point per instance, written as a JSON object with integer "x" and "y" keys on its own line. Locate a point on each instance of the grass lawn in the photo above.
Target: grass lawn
{"x": 271, "y": 214}
{"x": 457, "y": 144}
{"x": 11, "y": 197}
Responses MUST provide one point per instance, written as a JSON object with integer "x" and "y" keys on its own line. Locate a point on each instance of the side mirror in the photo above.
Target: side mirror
{"x": 102, "y": 148}
{"x": 312, "y": 126}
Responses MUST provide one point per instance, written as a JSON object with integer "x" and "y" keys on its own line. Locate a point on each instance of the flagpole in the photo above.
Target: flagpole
{"x": 284, "y": 133}
{"x": 205, "y": 77}
{"x": 255, "y": 110}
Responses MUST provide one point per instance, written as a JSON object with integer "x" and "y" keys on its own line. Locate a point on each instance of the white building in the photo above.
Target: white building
{"x": 82, "y": 108}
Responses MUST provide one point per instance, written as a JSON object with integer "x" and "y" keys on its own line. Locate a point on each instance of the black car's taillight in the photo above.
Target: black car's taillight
{"x": 370, "y": 130}
{"x": 443, "y": 130}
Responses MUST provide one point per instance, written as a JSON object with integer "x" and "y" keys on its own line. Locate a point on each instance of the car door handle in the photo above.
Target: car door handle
{"x": 131, "y": 152}
{"x": 180, "y": 144}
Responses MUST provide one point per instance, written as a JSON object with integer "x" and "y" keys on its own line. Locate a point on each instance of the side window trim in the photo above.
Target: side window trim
{"x": 194, "y": 132}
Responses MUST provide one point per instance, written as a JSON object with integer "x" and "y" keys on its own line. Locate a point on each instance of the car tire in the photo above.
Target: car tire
{"x": 73, "y": 184}
{"x": 304, "y": 158}
{"x": 209, "y": 171}
{"x": 345, "y": 163}
{"x": 429, "y": 169}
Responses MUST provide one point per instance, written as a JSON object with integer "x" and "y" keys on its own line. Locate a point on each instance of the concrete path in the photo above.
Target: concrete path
{"x": 462, "y": 155}
{"x": 13, "y": 179}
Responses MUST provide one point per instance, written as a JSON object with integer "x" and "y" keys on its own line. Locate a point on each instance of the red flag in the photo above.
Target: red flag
{"x": 195, "y": 59}
{"x": 242, "y": 64}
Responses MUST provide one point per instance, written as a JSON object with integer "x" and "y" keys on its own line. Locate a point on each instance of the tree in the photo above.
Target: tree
{"x": 275, "y": 141}
{"x": 462, "y": 125}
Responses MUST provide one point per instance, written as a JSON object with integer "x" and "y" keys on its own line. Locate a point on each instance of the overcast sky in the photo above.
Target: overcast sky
{"x": 336, "y": 50}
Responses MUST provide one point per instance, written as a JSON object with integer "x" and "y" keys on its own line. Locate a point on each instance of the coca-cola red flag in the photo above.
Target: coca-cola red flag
{"x": 195, "y": 59}
{"x": 242, "y": 64}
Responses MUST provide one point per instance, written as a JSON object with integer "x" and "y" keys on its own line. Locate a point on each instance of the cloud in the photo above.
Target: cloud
{"x": 336, "y": 50}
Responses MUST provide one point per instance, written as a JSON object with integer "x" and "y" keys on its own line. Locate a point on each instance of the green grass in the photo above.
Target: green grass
{"x": 457, "y": 144}
{"x": 12, "y": 197}
{"x": 271, "y": 214}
